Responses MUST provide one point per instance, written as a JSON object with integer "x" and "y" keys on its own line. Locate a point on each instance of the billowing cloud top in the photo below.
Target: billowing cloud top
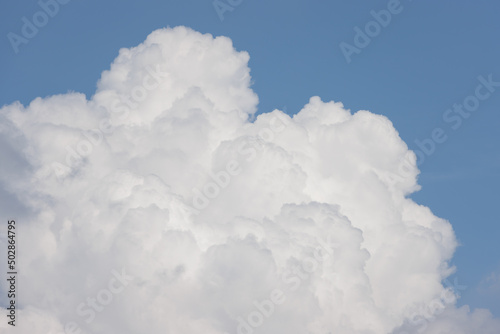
{"x": 162, "y": 205}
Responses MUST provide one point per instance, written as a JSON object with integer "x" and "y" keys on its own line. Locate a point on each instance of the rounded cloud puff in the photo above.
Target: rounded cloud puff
{"x": 162, "y": 205}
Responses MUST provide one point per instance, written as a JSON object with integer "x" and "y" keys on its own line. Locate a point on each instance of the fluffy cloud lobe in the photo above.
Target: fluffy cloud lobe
{"x": 163, "y": 205}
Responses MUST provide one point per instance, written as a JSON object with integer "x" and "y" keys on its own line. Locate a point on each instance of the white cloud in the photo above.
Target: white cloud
{"x": 116, "y": 182}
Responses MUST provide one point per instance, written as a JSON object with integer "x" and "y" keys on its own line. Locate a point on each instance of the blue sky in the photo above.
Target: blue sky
{"x": 427, "y": 59}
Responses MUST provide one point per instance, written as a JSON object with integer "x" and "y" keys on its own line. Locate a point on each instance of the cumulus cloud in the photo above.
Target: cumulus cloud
{"x": 162, "y": 204}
